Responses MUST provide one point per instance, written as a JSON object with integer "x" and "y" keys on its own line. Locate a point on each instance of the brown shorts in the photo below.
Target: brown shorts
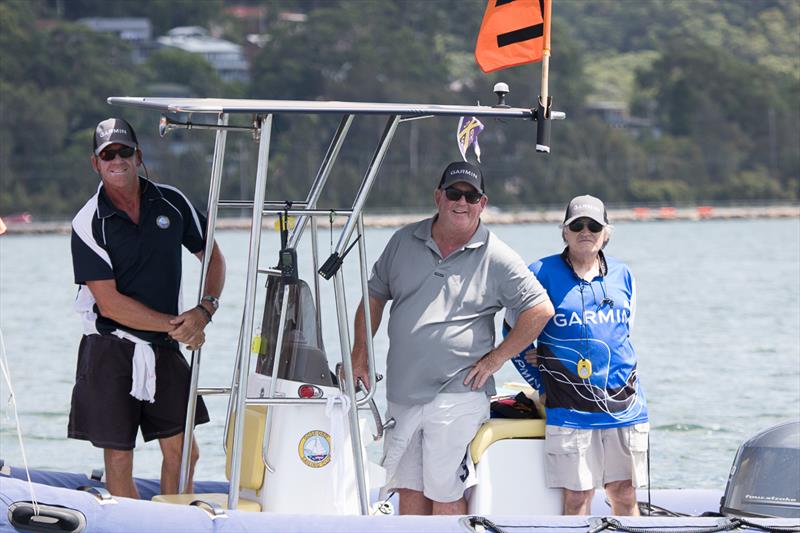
{"x": 104, "y": 412}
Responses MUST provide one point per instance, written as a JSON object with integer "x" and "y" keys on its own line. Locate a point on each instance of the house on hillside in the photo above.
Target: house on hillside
{"x": 616, "y": 115}
{"x": 136, "y": 31}
{"x": 226, "y": 57}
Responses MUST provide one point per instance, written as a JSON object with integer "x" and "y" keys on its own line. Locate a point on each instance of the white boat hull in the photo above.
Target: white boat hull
{"x": 137, "y": 515}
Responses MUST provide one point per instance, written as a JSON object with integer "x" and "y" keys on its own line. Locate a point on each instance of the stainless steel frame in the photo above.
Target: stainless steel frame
{"x": 213, "y": 200}
{"x": 307, "y": 210}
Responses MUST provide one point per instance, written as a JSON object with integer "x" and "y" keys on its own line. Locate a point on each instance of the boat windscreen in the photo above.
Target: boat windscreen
{"x": 303, "y": 355}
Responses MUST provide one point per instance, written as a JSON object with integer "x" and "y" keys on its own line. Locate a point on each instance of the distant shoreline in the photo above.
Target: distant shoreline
{"x": 491, "y": 216}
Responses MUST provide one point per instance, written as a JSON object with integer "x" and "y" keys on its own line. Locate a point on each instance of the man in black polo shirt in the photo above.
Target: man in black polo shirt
{"x": 126, "y": 255}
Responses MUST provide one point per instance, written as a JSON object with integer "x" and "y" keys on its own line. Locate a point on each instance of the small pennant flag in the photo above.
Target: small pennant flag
{"x": 467, "y": 134}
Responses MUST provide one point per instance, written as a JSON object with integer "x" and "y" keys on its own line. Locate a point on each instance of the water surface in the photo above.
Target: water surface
{"x": 717, "y": 332}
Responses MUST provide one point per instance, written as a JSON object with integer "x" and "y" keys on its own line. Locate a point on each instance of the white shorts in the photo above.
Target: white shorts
{"x": 582, "y": 459}
{"x": 426, "y": 451}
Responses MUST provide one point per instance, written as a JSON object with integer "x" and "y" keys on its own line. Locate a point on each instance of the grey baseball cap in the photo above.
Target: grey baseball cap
{"x": 586, "y": 206}
{"x": 462, "y": 171}
{"x": 114, "y": 131}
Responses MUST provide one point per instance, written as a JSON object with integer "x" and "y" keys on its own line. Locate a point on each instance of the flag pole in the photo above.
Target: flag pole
{"x": 543, "y": 111}
{"x": 546, "y": 55}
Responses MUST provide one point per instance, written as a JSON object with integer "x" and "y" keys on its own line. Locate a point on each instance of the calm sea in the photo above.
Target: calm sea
{"x": 717, "y": 333}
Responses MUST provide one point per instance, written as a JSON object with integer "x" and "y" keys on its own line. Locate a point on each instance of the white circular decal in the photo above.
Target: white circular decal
{"x": 315, "y": 449}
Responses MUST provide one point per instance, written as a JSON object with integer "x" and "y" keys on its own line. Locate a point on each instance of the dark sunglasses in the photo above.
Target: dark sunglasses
{"x": 125, "y": 152}
{"x": 578, "y": 225}
{"x": 454, "y": 195}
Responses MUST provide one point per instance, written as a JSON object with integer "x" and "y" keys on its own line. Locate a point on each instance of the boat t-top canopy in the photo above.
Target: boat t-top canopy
{"x": 235, "y": 105}
{"x": 306, "y": 210}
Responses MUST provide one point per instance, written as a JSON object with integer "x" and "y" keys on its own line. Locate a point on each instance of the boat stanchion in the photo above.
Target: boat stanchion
{"x": 97, "y": 474}
{"x": 213, "y": 510}
{"x": 27, "y": 516}
{"x": 380, "y": 425}
{"x": 101, "y": 493}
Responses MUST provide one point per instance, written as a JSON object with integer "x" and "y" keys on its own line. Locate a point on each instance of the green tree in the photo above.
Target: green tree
{"x": 171, "y": 65}
{"x": 163, "y": 14}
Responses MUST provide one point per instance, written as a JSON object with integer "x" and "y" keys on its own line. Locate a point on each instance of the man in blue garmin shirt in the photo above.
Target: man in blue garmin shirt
{"x": 126, "y": 256}
{"x": 597, "y": 425}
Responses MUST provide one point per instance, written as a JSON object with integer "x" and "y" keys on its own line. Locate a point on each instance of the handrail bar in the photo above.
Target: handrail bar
{"x": 243, "y": 204}
{"x": 211, "y": 391}
{"x": 284, "y": 401}
{"x": 308, "y": 212}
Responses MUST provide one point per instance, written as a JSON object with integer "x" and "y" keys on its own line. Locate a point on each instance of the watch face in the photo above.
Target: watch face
{"x": 214, "y": 301}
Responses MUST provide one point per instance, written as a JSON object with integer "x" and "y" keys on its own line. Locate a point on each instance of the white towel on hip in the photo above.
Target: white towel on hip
{"x": 143, "y": 373}
{"x": 143, "y": 384}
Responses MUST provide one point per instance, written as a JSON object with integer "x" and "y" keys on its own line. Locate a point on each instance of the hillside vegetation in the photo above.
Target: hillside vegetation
{"x": 714, "y": 88}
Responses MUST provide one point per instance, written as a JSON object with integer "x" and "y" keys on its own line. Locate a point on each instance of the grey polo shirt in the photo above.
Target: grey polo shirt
{"x": 441, "y": 320}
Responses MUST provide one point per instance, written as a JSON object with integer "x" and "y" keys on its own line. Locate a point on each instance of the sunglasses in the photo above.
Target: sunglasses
{"x": 125, "y": 152}
{"x": 454, "y": 195}
{"x": 577, "y": 226}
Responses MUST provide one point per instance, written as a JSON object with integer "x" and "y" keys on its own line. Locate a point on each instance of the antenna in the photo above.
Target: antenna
{"x": 501, "y": 90}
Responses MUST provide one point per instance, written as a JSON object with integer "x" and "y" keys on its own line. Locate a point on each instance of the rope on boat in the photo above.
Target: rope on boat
{"x": 728, "y": 524}
{"x": 473, "y": 523}
{"x": 771, "y": 529}
{"x": 12, "y": 401}
{"x": 596, "y": 525}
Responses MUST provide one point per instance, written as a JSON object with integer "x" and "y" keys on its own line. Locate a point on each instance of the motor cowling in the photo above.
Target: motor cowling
{"x": 765, "y": 477}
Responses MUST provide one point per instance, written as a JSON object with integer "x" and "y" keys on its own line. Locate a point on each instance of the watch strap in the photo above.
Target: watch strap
{"x": 213, "y": 300}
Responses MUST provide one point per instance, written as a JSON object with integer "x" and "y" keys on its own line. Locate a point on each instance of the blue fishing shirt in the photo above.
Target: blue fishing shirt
{"x": 593, "y": 320}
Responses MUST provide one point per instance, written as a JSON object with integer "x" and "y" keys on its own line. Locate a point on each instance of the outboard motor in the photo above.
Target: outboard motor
{"x": 765, "y": 476}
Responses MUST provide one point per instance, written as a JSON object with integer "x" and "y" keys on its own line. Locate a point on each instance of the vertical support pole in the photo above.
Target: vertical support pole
{"x": 213, "y": 201}
{"x": 362, "y": 259}
{"x": 347, "y": 363}
{"x": 249, "y": 309}
{"x": 315, "y": 261}
{"x": 273, "y": 384}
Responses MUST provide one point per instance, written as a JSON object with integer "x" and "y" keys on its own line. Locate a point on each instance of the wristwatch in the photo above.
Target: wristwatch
{"x": 213, "y": 300}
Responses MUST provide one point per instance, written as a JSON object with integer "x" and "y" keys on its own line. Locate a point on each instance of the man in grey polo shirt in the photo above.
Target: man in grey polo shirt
{"x": 447, "y": 276}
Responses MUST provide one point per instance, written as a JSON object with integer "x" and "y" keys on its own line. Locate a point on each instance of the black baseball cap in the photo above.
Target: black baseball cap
{"x": 114, "y": 131}
{"x": 462, "y": 171}
{"x": 586, "y": 206}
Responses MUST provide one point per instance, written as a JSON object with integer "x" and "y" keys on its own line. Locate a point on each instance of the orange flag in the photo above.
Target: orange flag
{"x": 513, "y": 32}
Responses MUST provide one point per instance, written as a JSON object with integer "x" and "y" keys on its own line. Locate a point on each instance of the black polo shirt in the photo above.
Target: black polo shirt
{"x": 144, "y": 259}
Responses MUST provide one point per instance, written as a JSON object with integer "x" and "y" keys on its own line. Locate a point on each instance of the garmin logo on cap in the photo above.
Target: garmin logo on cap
{"x": 467, "y": 171}
{"x": 585, "y": 206}
{"x": 108, "y": 133}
